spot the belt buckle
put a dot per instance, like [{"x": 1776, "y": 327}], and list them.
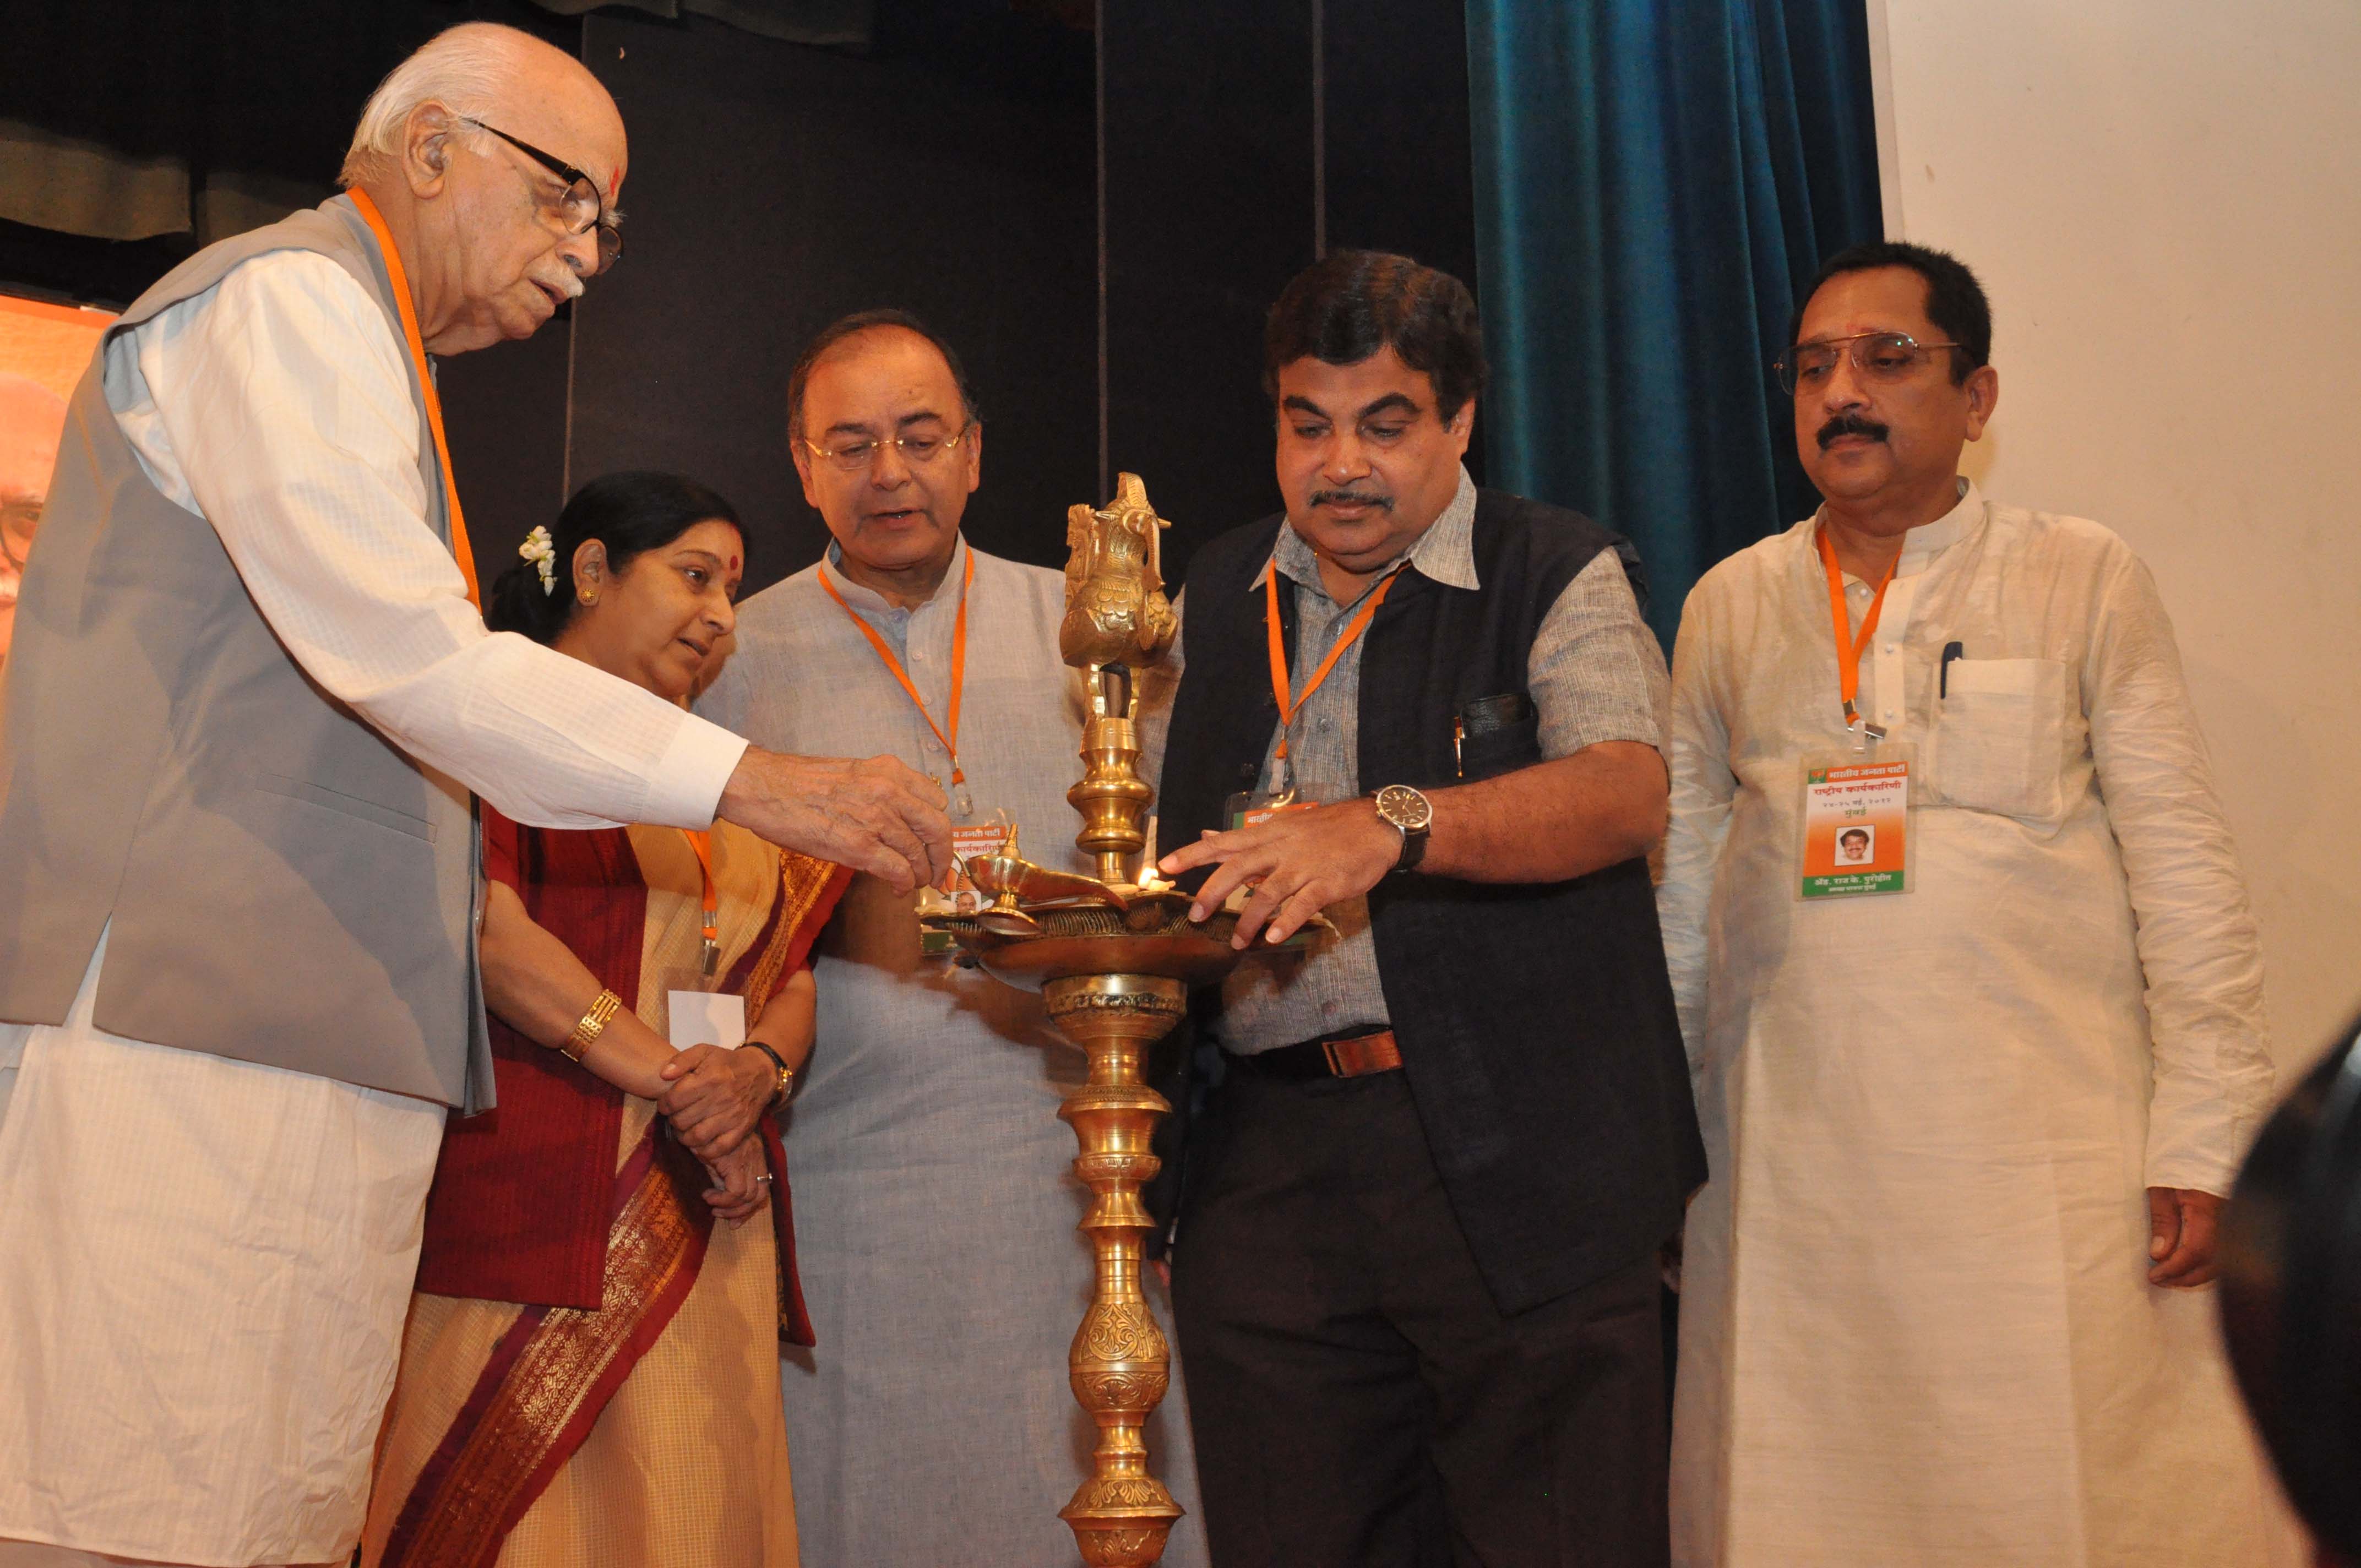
[{"x": 1335, "y": 1064}]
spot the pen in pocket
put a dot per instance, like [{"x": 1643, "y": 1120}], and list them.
[{"x": 1943, "y": 675}]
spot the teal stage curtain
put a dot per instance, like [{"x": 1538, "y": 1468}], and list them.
[{"x": 1655, "y": 180}]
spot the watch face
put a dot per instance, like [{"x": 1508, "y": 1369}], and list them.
[{"x": 1405, "y": 809}]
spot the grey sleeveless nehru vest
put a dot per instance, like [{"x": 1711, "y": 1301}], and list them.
[{"x": 285, "y": 885}]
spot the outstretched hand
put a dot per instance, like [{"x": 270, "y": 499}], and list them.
[
  {"x": 875, "y": 815},
  {"x": 1299, "y": 861}
]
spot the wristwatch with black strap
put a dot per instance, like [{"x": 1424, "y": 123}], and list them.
[
  {"x": 1410, "y": 814},
  {"x": 789, "y": 1080}
]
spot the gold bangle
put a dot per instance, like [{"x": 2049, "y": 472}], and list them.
[{"x": 594, "y": 1024}]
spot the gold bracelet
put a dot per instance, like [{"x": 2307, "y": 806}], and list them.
[{"x": 594, "y": 1024}]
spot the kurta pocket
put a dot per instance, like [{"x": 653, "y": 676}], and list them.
[{"x": 1999, "y": 732}]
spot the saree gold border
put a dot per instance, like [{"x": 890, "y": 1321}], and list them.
[
  {"x": 796, "y": 897},
  {"x": 647, "y": 1247}
]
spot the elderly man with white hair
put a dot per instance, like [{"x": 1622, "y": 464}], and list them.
[{"x": 250, "y": 696}]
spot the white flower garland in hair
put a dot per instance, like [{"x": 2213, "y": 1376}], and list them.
[{"x": 542, "y": 550}]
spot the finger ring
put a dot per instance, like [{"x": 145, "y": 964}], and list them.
[{"x": 765, "y": 1177}]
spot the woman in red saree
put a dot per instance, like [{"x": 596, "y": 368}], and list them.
[{"x": 590, "y": 1371}]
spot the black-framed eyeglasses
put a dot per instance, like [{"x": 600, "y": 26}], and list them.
[
  {"x": 581, "y": 209},
  {"x": 1876, "y": 356},
  {"x": 17, "y": 520},
  {"x": 855, "y": 456}
]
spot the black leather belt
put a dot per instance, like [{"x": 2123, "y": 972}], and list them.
[{"x": 1348, "y": 1056}]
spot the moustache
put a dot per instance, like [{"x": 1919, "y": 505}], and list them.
[
  {"x": 1351, "y": 498},
  {"x": 1850, "y": 425}
]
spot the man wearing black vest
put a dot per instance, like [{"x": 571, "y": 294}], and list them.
[{"x": 1414, "y": 1273}]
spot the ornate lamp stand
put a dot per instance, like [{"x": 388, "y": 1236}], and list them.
[{"x": 1114, "y": 960}]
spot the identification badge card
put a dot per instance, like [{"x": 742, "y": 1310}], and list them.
[
  {"x": 1248, "y": 807},
  {"x": 705, "y": 1019},
  {"x": 970, "y": 841},
  {"x": 1246, "y": 810},
  {"x": 1856, "y": 827}
]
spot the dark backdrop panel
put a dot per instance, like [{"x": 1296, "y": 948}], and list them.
[
  {"x": 1396, "y": 131},
  {"x": 1396, "y": 135},
  {"x": 504, "y": 412},
  {"x": 950, "y": 171},
  {"x": 774, "y": 187},
  {"x": 1209, "y": 212},
  {"x": 268, "y": 87}
]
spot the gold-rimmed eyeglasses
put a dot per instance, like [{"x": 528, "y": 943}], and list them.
[
  {"x": 853, "y": 454},
  {"x": 1875, "y": 356},
  {"x": 581, "y": 209}
]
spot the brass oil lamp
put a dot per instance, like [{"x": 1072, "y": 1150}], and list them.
[{"x": 1114, "y": 958}]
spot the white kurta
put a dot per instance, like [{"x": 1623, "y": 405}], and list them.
[
  {"x": 1916, "y": 1326},
  {"x": 204, "y": 1264}
]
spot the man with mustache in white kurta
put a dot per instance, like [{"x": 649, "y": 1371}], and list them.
[{"x": 1970, "y": 1108}]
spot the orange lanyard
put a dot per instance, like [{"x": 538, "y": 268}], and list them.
[
  {"x": 1847, "y": 646},
  {"x": 702, "y": 842},
  {"x": 401, "y": 283},
  {"x": 1289, "y": 705},
  {"x": 958, "y": 663}
]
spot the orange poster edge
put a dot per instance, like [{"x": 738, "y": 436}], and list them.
[{"x": 79, "y": 315}]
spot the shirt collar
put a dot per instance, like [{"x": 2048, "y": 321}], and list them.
[
  {"x": 1933, "y": 538},
  {"x": 874, "y": 604},
  {"x": 1446, "y": 552},
  {"x": 1928, "y": 539}
]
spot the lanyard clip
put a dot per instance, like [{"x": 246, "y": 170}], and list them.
[{"x": 712, "y": 956}]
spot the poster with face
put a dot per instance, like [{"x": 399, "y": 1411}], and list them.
[{"x": 44, "y": 348}]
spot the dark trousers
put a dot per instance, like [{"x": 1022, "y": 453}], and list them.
[{"x": 1358, "y": 1401}]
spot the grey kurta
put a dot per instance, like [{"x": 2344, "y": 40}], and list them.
[{"x": 936, "y": 1208}]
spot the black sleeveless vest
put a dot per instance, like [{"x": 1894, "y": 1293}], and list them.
[{"x": 1535, "y": 1020}]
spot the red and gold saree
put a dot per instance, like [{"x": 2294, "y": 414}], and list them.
[{"x": 590, "y": 1371}]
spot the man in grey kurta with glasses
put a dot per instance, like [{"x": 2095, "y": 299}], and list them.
[{"x": 935, "y": 1202}]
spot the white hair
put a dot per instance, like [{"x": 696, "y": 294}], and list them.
[{"x": 462, "y": 67}]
